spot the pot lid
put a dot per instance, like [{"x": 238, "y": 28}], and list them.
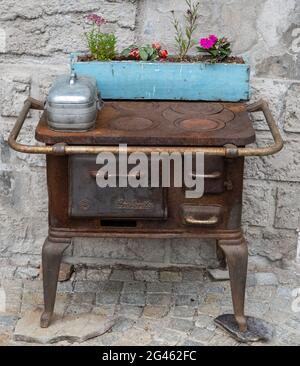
[{"x": 73, "y": 89}]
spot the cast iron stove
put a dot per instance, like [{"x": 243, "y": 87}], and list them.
[{"x": 78, "y": 207}]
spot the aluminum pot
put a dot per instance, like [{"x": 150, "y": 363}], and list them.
[{"x": 72, "y": 103}]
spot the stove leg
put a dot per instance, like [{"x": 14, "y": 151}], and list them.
[
  {"x": 237, "y": 260},
  {"x": 51, "y": 258}
]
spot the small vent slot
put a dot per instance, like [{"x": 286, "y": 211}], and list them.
[{"x": 118, "y": 223}]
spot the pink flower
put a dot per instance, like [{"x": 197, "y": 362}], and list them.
[
  {"x": 206, "y": 43},
  {"x": 209, "y": 42},
  {"x": 213, "y": 38},
  {"x": 96, "y": 19}
]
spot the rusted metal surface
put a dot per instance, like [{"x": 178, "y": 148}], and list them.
[
  {"x": 78, "y": 207},
  {"x": 258, "y": 329},
  {"x": 87, "y": 199},
  {"x": 240, "y": 135}
]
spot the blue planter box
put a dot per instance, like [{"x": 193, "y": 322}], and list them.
[{"x": 168, "y": 81}]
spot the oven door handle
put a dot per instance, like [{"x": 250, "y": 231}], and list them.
[
  {"x": 93, "y": 173},
  {"x": 192, "y": 221},
  {"x": 214, "y": 175}
]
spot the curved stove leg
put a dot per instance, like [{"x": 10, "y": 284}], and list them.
[
  {"x": 236, "y": 253},
  {"x": 51, "y": 258}
]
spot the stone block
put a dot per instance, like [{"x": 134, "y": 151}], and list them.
[
  {"x": 288, "y": 207},
  {"x": 98, "y": 274},
  {"x": 146, "y": 275},
  {"x": 170, "y": 276},
  {"x": 292, "y": 115},
  {"x": 274, "y": 92},
  {"x": 14, "y": 89},
  {"x": 182, "y": 325},
  {"x": 258, "y": 203},
  {"x": 152, "y": 311},
  {"x": 148, "y": 250},
  {"x": 195, "y": 252},
  {"x": 283, "y": 166},
  {"x": 121, "y": 275},
  {"x": 272, "y": 244}
]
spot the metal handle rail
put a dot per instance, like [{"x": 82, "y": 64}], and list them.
[{"x": 227, "y": 150}]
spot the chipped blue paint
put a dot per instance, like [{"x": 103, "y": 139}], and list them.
[{"x": 168, "y": 81}]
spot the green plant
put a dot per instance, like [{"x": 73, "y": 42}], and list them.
[
  {"x": 101, "y": 45},
  {"x": 184, "y": 38},
  {"x": 218, "y": 48},
  {"x": 145, "y": 53}
]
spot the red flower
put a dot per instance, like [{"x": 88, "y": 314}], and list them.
[
  {"x": 156, "y": 46},
  {"x": 135, "y": 53},
  {"x": 163, "y": 54}
]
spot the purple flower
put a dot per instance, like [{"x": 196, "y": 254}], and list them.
[{"x": 96, "y": 19}]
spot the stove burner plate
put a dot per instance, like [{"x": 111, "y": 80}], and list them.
[
  {"x": 132, "y": 124},
  {"x": 203, "y": 108},
  {"x": 225, "y": 116},
  {"x": 199, "y": 124}
]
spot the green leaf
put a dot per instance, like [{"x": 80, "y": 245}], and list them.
[
  {"x": 143, "y": 54},
  {"x": 126, "y": 52}
]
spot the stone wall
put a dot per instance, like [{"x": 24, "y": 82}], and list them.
[{"x": 35, "y": 39}]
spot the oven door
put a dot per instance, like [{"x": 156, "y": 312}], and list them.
[{"x": 87, "y": 199}]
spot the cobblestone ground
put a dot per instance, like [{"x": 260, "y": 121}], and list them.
[{"x": 159, "y": 307}]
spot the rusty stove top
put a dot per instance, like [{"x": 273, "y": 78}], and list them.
[{"x": 161, "y": 123}]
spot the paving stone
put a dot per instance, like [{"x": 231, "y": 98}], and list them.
[
  {"x": 107, "y": 297},
  {"x": 186, "y": 288},
  {"x": 193, "y": 275},
  {"x": 182, "y": 325},
  {"x": 265, "y": 279},
  {"x": 86, "y": 286},
  {"x": 158, "y": 299},
  {"x": 134, "y": 287},
  {"x": 192, "y": 343},
  {"x": 105, "y": 310},
  {"x": 65, "y": 272},
  {"x": 169, "y": 337},
  {"x": 111, "y": 286},
  {"x": 218, "y": 274},
  {"x": 133, "y": 299},
  {"x": 12, "y": 295},
  {"x": 152, "y": 311},
  {"x": 169, "y": 276},
  {"x": 7, "y": 322},
  {"x": 159, "y": 287},
  {"x": 70, "y": 328},
  {"x": 183, "y": 311},
  {"x": 186, "y": 300},
  {"x": 129, "y": 311},
  {"x": 122, "y": 324},
  {"x": 121, "y": 275},
  {"x": 134, "y": 337},
  {"x": 203, "y": 321},
  {"x": 66, "y": 286},
  {"x": 146, "y": 275},
  {"x": 202, "y": 335},
  {"x": 98, "y": 274}
]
